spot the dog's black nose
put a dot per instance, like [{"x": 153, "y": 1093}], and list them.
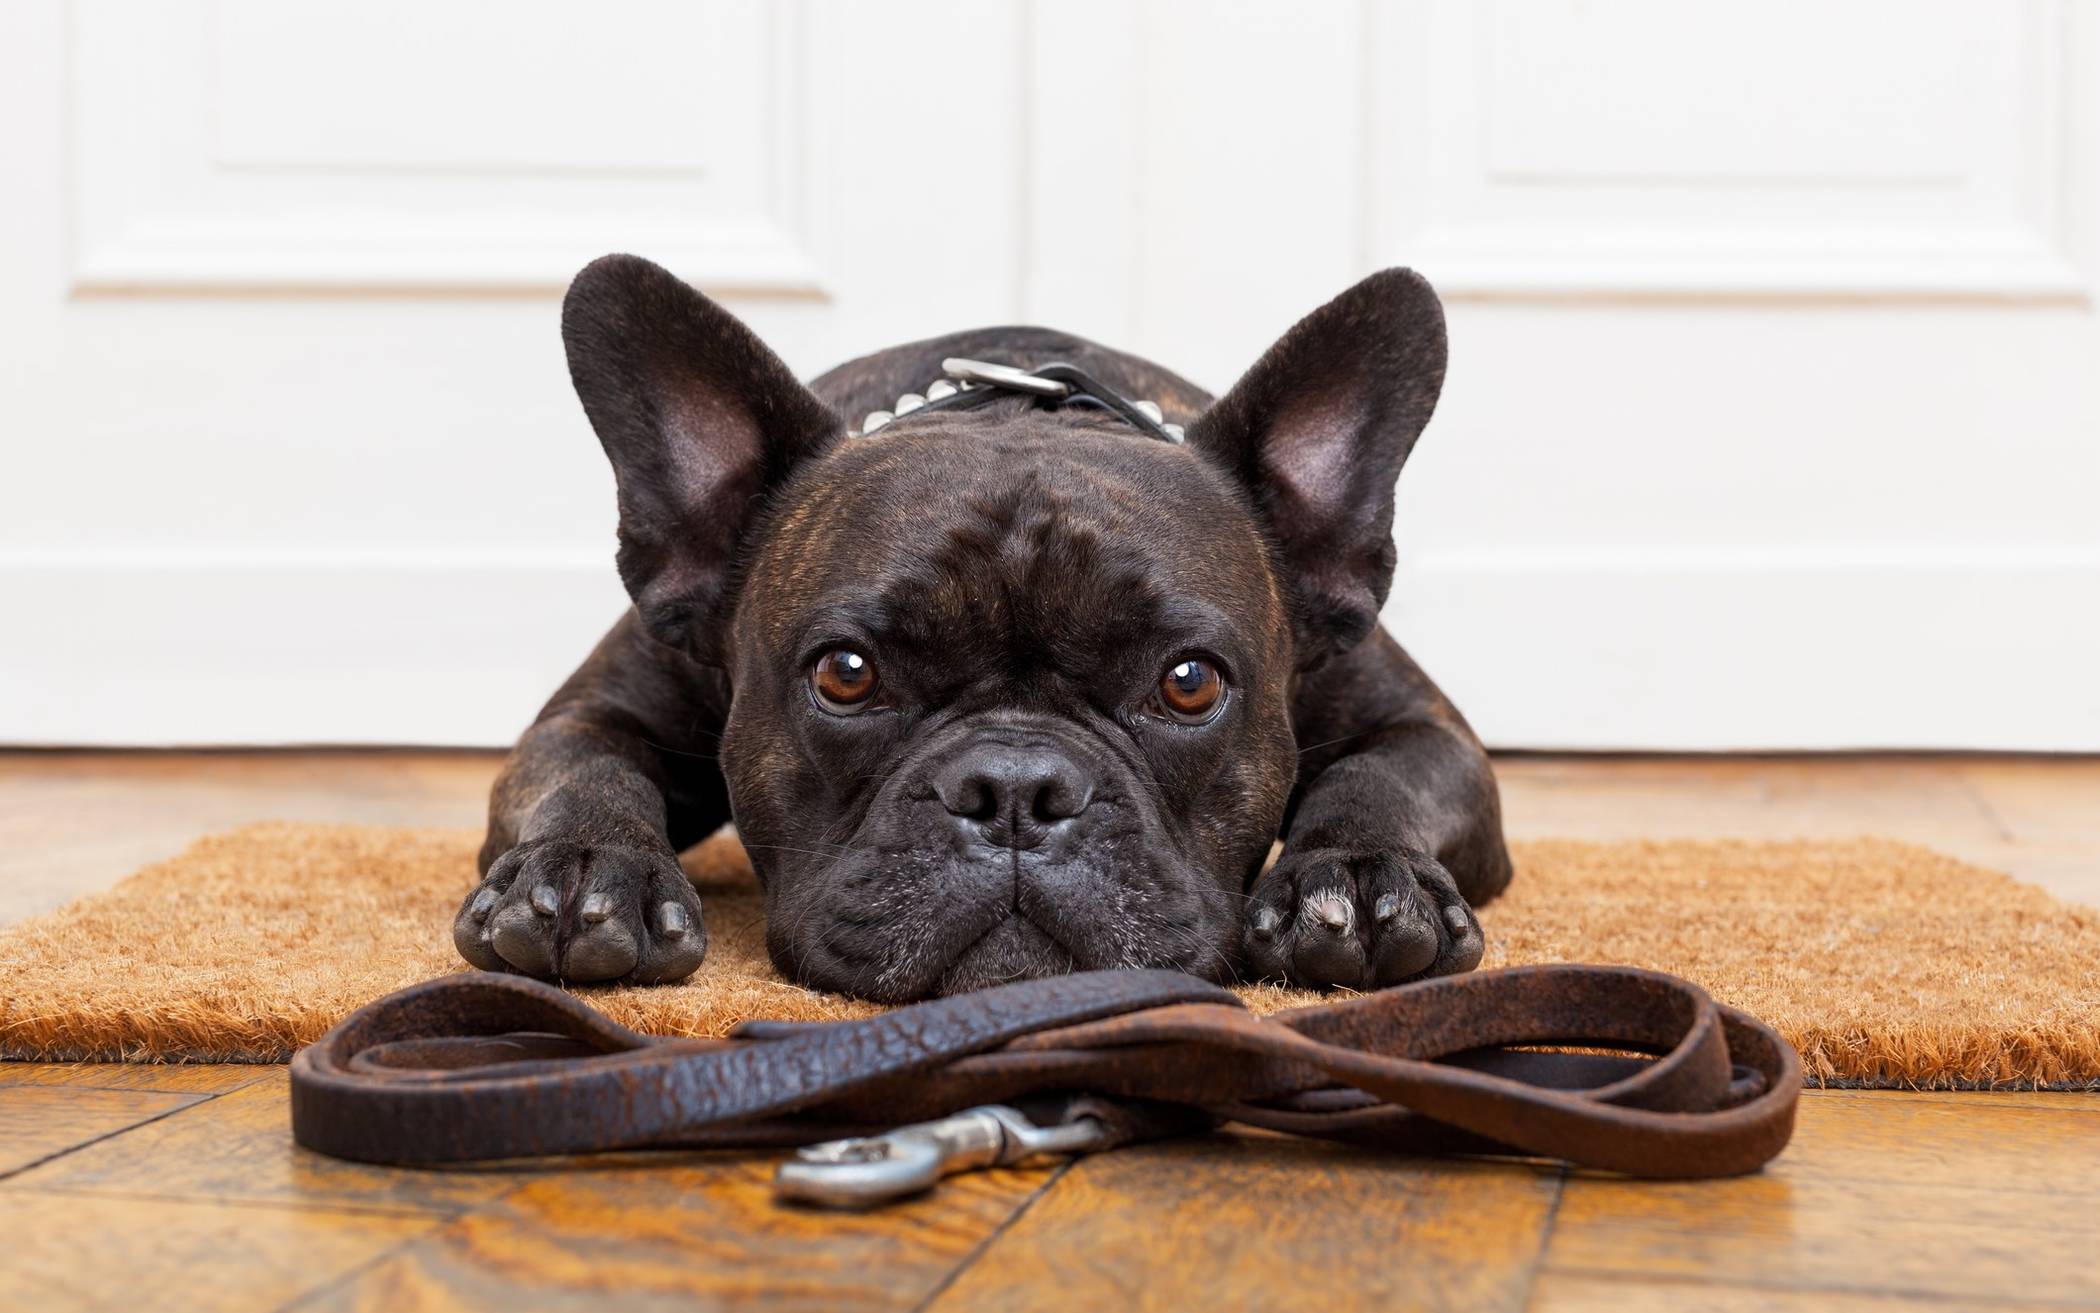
[{"x": 1013, "y": 796}]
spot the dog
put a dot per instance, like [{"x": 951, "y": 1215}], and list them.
[{"x": 998, "y": 692}]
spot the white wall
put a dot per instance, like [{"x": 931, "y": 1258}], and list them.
[{"x": 1773, "y": 417}]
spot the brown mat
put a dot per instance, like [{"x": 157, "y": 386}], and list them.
[{"x": 1885, "y": 964}]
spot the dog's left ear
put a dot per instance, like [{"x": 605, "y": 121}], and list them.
[{"x": 1318, "y": 431}]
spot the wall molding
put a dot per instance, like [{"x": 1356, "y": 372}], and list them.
[
  {"x": 155, "y": 209},
  {"x": 1440, "y": 201},
  {"x": 185, "y": 253},
  {"x": 1550, "y": 261}
]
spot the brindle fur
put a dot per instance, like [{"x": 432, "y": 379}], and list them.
[{"x": 1020, "y": 576}]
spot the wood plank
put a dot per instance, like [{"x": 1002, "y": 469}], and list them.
[
  {"x": 2038, "y": 799},
  {"x": 238, "y": 1148},
  {"x": 2019, "y": 1141},
  {"x": 1560, "y": 1293},
  {"x": 2061, "y": 1100},
  {"x": 184, "y": 1077},
  {"x": 70, "y": 1252},
  {"x": 75, "y": 822},
  {"x": 38, "y": 1123},
  {"x": 2049, "y": 811},
  {"x": 1921, "y": 799},
  {"x": 690, "y": 1235},
  {"x": 1248, "y": 1221},
  {"x": 1867, "y": 1238},
  {"x": 2035, "y": 817},
  {"x": 1878, "y": 1194}
]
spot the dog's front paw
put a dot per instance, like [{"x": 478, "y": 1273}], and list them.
[
  {"x": 563, "y": 910},
  {"x": 1330, "y": 917}
]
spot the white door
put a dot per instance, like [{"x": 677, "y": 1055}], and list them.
[{"x": 1773, "y": 417}]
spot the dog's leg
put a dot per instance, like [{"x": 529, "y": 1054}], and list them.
[
  {"x": 580, "y": 874},
  {"x": 1394, "y": 834}
]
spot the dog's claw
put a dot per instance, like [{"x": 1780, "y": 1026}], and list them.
[
  {"x": 1335, "y": 917},
  {"x": 582, "y": 913},
  {"x": 674, "y": 921},
  {"x": 1333, "y": 911}
]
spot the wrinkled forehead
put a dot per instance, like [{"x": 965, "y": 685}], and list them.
[{"x": 1068, "y": 541}]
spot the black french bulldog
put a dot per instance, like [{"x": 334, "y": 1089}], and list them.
[{"x": 1003, "y": 692}]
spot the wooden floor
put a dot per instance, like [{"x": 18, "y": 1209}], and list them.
[{"x": 129, "y": 1187}]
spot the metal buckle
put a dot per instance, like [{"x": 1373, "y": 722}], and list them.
[
  {"x": 874, "y": 1169},
  {"x": 987, "y": 374}
]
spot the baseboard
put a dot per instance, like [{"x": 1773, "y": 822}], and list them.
[
  {"x": 205, "y": 648},
  {"x": 1763, "y": 649},
  {"x": 1635, "y": 649}
]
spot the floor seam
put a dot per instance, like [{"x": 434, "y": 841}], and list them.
[
  {"x": 435, "y": 1213},
  {"x": 196, "y": 1101},
  {"x": 1983, "y": 804},
  {"x": 264, "y": 1070},
  {"x": 1538, "y": 1260},
  {"x": 357, "y": 1271},
  {"x": 978, "y": 1250}
]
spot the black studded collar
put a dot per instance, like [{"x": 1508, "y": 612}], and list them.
[{"x": 967, "y": 384}]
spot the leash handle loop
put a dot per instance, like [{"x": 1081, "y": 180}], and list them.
[{"x": 477, "y": 1066}]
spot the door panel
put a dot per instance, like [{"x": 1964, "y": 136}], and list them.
[{"x": 1771, "y": 419}]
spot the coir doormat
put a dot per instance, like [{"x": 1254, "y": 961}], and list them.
[{"x": 1885, "y": 964}]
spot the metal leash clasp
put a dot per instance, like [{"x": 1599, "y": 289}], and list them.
[{"x": 874, "y": 1169}]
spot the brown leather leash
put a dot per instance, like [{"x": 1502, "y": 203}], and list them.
[{"x": 481, "y": 1066}]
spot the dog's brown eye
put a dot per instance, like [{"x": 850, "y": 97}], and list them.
[
  {"x": 844, "y": 681},
  {"x": 1190, "y": 690}
]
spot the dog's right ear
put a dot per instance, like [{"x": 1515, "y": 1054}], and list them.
[
  {"x": 701, "y": 422},
  {"x": 1318, "y": 430}
]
